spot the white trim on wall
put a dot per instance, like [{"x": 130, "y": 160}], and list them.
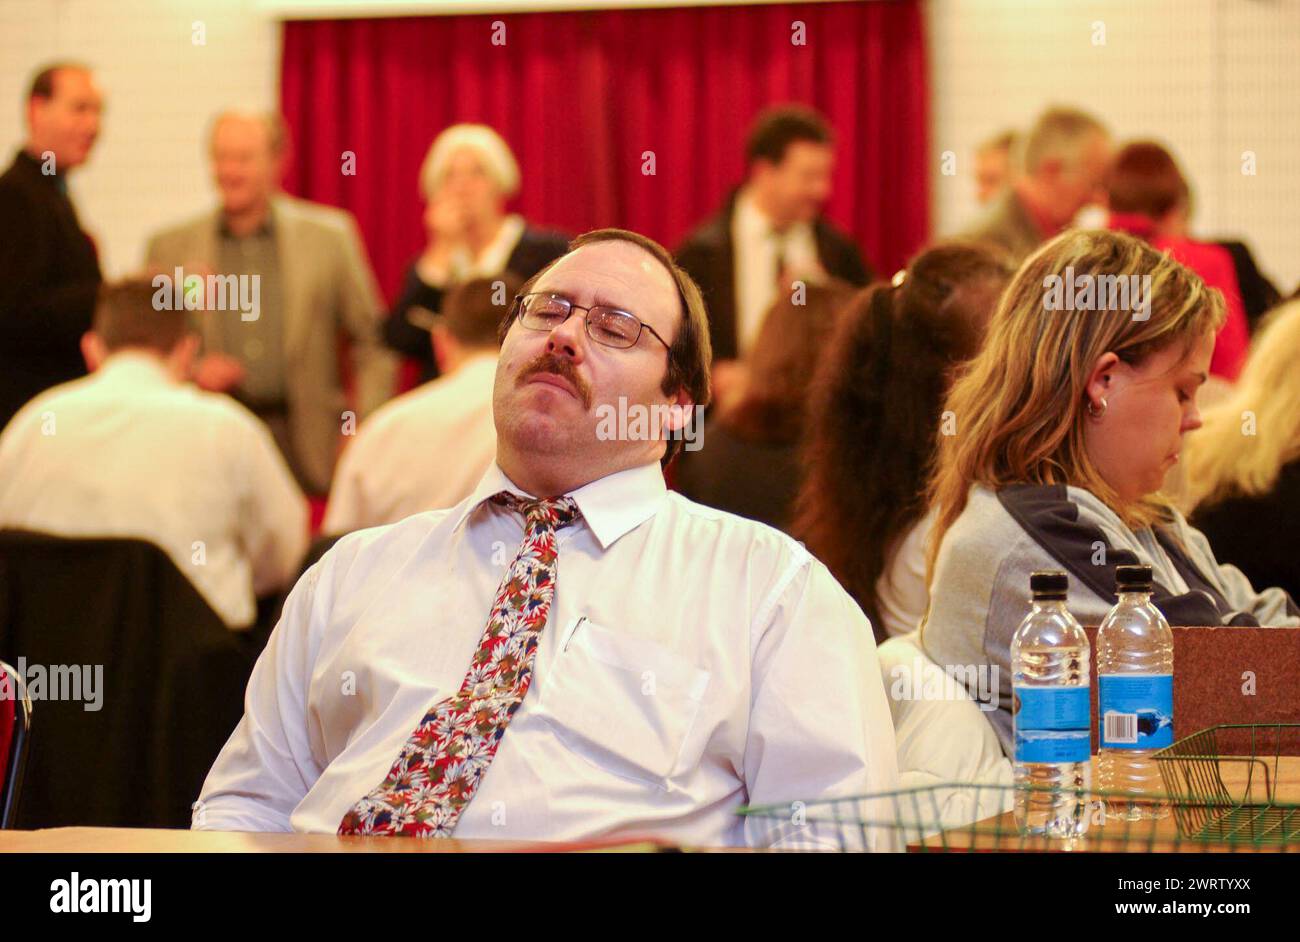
[{"x": 354, "y": 9}]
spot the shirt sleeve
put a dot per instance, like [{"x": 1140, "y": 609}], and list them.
[
  {"x": 820, "y": 725},
  {"x": 275, "y": 519},
  {"x": 361, "y": 309},
  {"x": 347, "y": 510},
  {"x": 1272, "y": 607},
  {"x": 266, "y": 767}
]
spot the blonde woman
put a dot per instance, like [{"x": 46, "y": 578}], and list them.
[
  {"x": 1243, "y": 465},
  {"x": 1062, "y": 430}
]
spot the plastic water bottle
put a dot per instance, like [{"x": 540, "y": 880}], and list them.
[
  {"x": 1051, "y": 714},
  {"x": 1135, "y": 697}
]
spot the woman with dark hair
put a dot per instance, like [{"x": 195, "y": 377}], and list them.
[
  {"x": 1148, "y": 197},
  {"x": 749, "y": 464},
  {"x": 874, "y": 417}
]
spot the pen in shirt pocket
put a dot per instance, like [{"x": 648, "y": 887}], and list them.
[{"x": 569, "y": 633}]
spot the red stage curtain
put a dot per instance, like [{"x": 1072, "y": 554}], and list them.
[{"x": 581, "y": 96}]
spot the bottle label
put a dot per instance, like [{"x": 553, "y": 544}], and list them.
[
  {"x": 1137, "y": 710},
  {"x": 1052, "y": 724}
]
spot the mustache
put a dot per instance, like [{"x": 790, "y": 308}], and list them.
[{"x": 560, "y": 366}]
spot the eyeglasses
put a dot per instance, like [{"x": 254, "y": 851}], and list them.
[{"x": 605, "y": 325}]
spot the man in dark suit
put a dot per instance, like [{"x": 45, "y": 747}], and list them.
[
  {"x": 49, "y": 271},
  {"x": 770, "y": 232}
]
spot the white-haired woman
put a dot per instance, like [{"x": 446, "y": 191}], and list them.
[{"x": 468, "y": 176}]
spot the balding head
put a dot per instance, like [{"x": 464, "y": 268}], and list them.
[
  {"x": 1066, "y": 155},
  {"x": 248, "y": 152},
  {"x": 63, "y": 111},
  {"x": 274, "y": 134}
]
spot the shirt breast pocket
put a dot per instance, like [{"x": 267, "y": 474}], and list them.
[{"x": 623, "y": 703}]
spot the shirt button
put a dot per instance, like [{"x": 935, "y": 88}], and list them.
[{"x": 253, "y": 349}]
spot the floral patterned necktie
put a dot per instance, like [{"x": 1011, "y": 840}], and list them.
[{"x": 443, "y": 763}]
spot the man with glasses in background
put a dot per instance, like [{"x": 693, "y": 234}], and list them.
[{"x": 648, "y": 664}]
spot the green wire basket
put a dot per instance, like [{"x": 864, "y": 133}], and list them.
[
  {"x": 1221, "y": 794},
  {"x": 1224, "y": 782}
]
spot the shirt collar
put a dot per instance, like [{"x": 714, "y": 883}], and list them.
[
  {"x": 34, "y": 165},
  {"x": 474, "y": 372},
  {"x": 611, "y": 506},
  {"x": 265, "y": 228},
  {"x": 137, "y": 367},
  {"x": 495, "y": 256},
  {"x": 480, "y": 362},
  {"x": 752, "y": 222}
]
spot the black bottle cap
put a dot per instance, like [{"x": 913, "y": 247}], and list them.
[
  {"x": 1048, "y": 584},
  {"x": 1133, "y": 578}
]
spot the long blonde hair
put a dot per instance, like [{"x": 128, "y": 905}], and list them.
[
  {"x": 1019, "y": 406},
  {"x": 1246, "y": 439}
]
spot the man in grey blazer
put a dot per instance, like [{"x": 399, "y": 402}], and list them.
[
  {"x": 272, "y": 281},
  {"x": 1064, "y": 161}
]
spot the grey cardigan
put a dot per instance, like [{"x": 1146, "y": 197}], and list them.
[{"x": 980, "y": 590}]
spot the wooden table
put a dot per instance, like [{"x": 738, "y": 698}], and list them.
[
  {"x": 84, "y": 840},
  {"x": 999, "y": 833}
]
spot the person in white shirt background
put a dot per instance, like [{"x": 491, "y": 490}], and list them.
[
  {"x": 428, "y": 448},
  {"x": 691, "y": 661},
  {"x": 134, "y": 450}
]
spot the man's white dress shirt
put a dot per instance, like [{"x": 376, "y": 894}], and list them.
[
  {"x": 424, "y": 450},
  {"x": 692, "y": 661},
  {"x": 128, "y": 452},
  {"x": 758, "y": 249}
]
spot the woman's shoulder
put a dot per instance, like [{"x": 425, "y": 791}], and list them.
[
  {"x": 1016, "y": 503},
  {"x": 1061, "y": 521},
  {"x": 984, "y": 529}
]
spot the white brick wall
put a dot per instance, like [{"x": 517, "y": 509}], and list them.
[
  {"x": 1209, "y": 78},
  {"x": 148, "y": 168},
  {"x": 1212, "y": 78}
]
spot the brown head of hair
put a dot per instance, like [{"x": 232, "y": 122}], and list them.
[
  {"x": 690, "y": 353},
  {"x": 126, "y": 315},
  {"x": 794, "y": 335},
  {"x": 777, "y": 128},
  {"x": 876, "y": 404},
  {"x": 472, "y": 310},
  {"x": 1144, "y": 179},
  {"x": 42, "y": 84}
]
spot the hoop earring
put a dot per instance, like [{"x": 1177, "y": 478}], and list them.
[{"x": 1097, "y": 413}]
